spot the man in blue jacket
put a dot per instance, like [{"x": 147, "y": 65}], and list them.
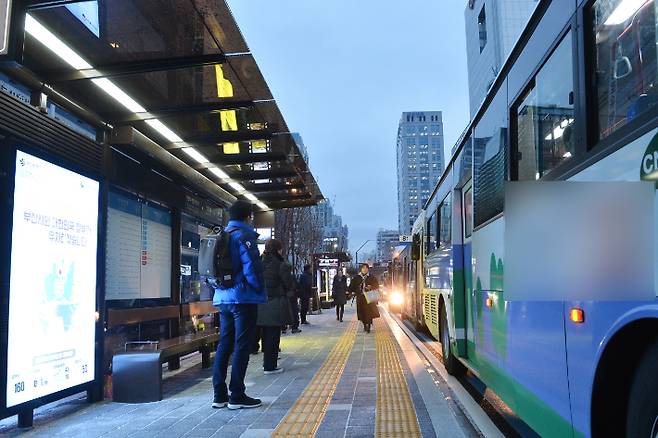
[{"x": 238, "y": 310}]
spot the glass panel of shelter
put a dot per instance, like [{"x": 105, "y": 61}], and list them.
[
  {"x": 130, "y": 30},
  {"x": 192, "y": 285}
]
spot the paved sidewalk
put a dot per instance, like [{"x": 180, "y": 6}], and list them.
[{"x": 186, "y": 411}]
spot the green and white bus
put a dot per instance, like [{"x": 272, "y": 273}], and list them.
[{"x": 576, "y": 100}]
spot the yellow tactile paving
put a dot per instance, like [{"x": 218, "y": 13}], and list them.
[
  {"x": 307, "y": 413},
  {"x": 395, "y": 415}
]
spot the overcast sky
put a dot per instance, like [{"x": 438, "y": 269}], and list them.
[{"x": 343, "y": 71}]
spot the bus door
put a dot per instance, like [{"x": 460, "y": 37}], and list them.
[
  {"x": 463, "y": 293},
  {"x": 414, "y": 284}
]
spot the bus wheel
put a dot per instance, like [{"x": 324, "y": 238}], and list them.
[
  {"x": 453, "y": 366},
  {"x": 642, "y": 414}
]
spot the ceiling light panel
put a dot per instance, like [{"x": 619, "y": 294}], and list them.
[{"x": 195, "y": 155}]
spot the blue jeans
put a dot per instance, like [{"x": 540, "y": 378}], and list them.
[{"x": 237, "y": 325}]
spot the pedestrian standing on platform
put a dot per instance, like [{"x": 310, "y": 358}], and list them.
[
  {"x": 238, "y": 310},
  {"x": 361, "y": 283},
  {"x": 294, "y": 307},
  {"x": 276, "y": 312},
  {"x": 339, "y": 294},
  {"x": 305, "y": 292},
  {"x": 258, "y": 335}
]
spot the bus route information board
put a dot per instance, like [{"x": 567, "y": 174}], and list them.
[{"x": 139, "y": 245}]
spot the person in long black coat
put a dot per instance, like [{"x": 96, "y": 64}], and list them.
[
  {"x": 339, "y": 294},
  {"x": 276, "y": 312},
  {"x": 364, "y": 282},
  {"x": 305, "y": 292}
]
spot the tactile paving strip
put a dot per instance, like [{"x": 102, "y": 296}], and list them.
[
  {"x": 395, "y": 415},
  {"x": 305, "y": 416}
]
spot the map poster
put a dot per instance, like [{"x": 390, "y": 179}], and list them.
[{"x": 52, "y": 295}]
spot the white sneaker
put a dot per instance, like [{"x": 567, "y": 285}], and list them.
[{"x": 274, "y": 371}]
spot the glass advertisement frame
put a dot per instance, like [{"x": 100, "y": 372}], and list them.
[{"x": 8, "y": 156}]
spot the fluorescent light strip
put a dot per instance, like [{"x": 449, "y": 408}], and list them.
[
  {"x": 118, "y": 94},
  {"x": 250, "y": 197},
  {"x": 237, "y": 186},
  {"x": 195, "y": 155},
  {"x": 219, "y": 173},
  {"x": 68, "y": 55},
  {"x": 162, "y": 129},
  {"x": 48, "y": 39},
  {"x": 59, "y": 48},
  {"x": 262, "y": 206}
]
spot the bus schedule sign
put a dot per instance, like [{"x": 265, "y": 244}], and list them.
[{"x": 5, "y": 19}]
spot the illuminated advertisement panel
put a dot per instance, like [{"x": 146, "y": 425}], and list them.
[{"x": 52, "y": 295}]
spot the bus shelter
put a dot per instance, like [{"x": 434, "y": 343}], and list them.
[
  {"x": 136, "y": 122},
  {"x": 326, "y": 265}
]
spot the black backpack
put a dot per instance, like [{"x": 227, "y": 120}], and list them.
[{"x": 215, "y": 258}]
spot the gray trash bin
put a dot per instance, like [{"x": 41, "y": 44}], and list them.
[{"x": 137, "y": 377}]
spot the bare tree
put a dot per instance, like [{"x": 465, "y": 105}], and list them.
[{"x": 300, "y": 231}]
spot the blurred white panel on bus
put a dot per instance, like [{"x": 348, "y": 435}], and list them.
[{"x": 579, "y": 240}]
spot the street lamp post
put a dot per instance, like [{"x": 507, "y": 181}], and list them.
[{"x": 357, "y": 252}]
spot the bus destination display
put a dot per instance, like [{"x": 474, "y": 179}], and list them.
[{"x": 52, "y": 297}]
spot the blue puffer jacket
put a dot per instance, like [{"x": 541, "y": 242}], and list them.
[{"x": 249, "y": 285}]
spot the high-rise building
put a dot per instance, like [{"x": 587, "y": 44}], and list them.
[
  {"x": 334, "y": 234},
  {"x": 420, "y": 163},
  {"x": 387, "y": 240},
  {"x": 492, "y": 29}
]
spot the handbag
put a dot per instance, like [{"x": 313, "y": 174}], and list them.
[{"x": 372, "y": 296}]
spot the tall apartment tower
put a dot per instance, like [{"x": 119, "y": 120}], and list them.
[
  {"x": 335, "y": 235},
  {"x": 387, "y": 240},
  {"x": 420, "y": 163},
  {"x": 492, "y": 29}
]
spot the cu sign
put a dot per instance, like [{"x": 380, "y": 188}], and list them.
[
  {"x": 649, "y": 165},
  {"x": 5, "y": 18}
]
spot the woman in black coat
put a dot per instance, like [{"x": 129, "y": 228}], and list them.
[
  {"x": 364, "y": 282},
  {"x": 276, "y": 312},
  {"x": 339, "y": 294}
]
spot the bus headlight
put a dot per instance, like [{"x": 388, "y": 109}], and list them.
[{"x": 396, "y": 298}]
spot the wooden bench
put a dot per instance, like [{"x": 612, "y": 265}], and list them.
[{"x": 137, "y": 373}]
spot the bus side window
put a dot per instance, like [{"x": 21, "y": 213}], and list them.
[
  {"x": 445, "y": 222},
  {"x": 415, "y": 247},
  {"x": 490, "y": 154},
  {"x": 468, "y": 212},
  {"x": 431, "y": 233},
  {"x": 545, "y": 117}
]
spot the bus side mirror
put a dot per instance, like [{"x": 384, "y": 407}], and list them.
[{"x": 415, "y": 247}]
